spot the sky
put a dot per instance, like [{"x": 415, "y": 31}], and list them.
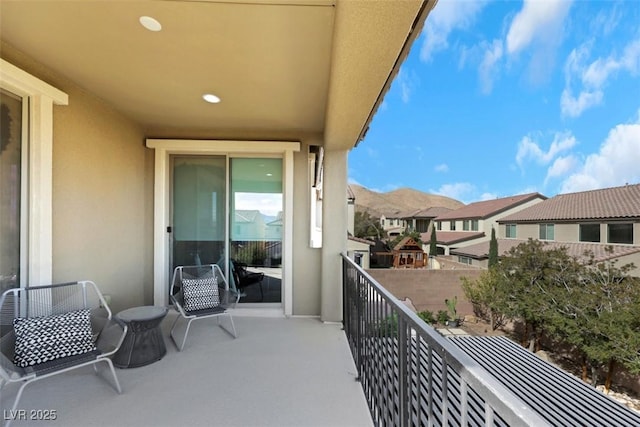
[{"x": 499, "y": 98}]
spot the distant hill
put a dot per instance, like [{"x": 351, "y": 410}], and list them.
[{"x": 400, "y": 200}]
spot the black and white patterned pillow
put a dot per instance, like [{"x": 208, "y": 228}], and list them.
[
  {"x": 200, "y": 294},
  {"x": 43, "y": 339}
]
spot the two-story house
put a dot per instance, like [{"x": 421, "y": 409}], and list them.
[
  {"x": 584, "y": 221},
  {"x": 472, "y": 223}
]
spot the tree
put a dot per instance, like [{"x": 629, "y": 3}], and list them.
[
  {"x": 489, "y": 295},
  {"x": 366, "y": 226},
  {"x": 493, "y": 249},
  {"x": 433, "y": 244},
  {"x": 598, "y": 315}
]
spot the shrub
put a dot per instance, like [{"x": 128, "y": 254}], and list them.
[
  {"x": 427, "y": 317},
  {"x": 442, "y": 316}
]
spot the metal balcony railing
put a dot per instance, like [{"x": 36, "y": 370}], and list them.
[{"x": 410, "y": 374}]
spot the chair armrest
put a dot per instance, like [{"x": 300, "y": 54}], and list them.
[{"x": 112, "y": 336}]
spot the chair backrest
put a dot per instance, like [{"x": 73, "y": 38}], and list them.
[
  {"x": 183, "y": 272},
  {"x": 42, "y": 301}
]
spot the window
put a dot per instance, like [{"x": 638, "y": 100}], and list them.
[
  {"x": 546, "y": 232},
  {"x": 382, "y": 222},
  {"x": 510, "y": 231},
  {"x": 452, "y": 225},
  {"x": 590, "y": 232},
  {"x": 465, "y": 225},
  {"x": 474, "y": 225},
  {"x": 464, "y": 260},
  {"x": 25, "y": 184},
  {"x": 620, "y": 233},
  {"x": 439, "y": 225}
]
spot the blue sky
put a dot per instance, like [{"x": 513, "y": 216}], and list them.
[{"x": 498, "y": 98}]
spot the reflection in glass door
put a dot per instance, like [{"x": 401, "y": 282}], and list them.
[
  {"x": 199, "y": 210},
  {"x": 256, "y": 228},
  {"x": 11, "y": 176}
]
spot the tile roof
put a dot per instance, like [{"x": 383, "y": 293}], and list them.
[
  {"x": 450, "y": 237},
  {"x": 574, "y": 249},
  {"x": 489, "y": 208},
  {"x": 431, "y": 212},
  {"x": 607, "y": 203}
]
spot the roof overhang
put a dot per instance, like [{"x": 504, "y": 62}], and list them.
[{"x": 284, "y": 69}]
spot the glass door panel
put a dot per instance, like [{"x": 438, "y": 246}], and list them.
[
  {"x": 199, "y": 210},
  {"x": 256, "y": 228},
  {"x": 10, "y": 189}
]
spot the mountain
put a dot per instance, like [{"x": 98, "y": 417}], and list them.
[{"x": 400, "y": 200}]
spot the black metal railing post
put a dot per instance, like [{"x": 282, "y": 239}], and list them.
[
  {"x": 424, "y": 382},
  {"x": 403, "y": 380}
]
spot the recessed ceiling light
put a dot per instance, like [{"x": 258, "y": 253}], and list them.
[
  {"x": 209, "y": 97},
  {"x": 150, "y": 23}
]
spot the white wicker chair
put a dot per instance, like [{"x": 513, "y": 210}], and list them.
[
  {"x": 200, "y": 292},
  {"x": 74, "y": 328}
]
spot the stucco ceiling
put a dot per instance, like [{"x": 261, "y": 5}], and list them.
[{"x": 282, "y": 68}]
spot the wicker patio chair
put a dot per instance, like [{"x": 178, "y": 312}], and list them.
[
  {"x": 200, "y": 292},
  {"x": 49, "y": 330}
]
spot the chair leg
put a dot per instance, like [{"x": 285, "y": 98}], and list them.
[
  {"x": 231, "y": 331},
  {"x": 186, "y": 332},
  {"x": 115, "y": 377},
  {"x": 173, "y": 338}
]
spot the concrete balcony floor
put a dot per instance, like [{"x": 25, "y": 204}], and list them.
[{"x": 278, "y": 372}]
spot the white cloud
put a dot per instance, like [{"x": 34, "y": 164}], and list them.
[
  {"x": 615, "y": 164},
  {"x": 488, "y": 196},
  {"x": 443, "y": 167},
  {"x": 407, "y": 80},
  {"x": 530, "y": 149},
  {"x": 574, "y": 106},
  {"x": 488, "y": 69},
  {"x": 447, "y": 16},
  {"x": 592, "y": 77},
  {"x": 459, "y": 191},
  {"x": 539, "y": 28},
  {"x": 606, "y": 20},
  {"x": 561, "y": 167},
  {"x": 537, "y": 21}
]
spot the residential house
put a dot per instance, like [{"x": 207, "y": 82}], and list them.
[
  {"x": 393, "y": 222},
  {"x": 590, "y": 221},
  {"x": 421, "y": 220},
  {"x": 472, "y": 223},
  {"x": 109, "y": 147}
]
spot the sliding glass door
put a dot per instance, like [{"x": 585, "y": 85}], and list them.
[
  {"x": 242, "y": 233},
  {"x": 256, "y": 228},
  {"x": 199, "y": 210},
  {"x": 11, "y": 190}
]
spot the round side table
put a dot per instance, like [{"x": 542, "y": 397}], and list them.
[{"x": 144, "y": 343}]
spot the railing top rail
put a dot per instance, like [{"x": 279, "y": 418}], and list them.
[{"x": 509, "y": 406}]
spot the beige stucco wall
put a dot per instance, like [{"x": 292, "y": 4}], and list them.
[
  {"x": 306, "y": 260},
  {"x": 102, "y": 193},
  {"x": 103, "y": 200}
]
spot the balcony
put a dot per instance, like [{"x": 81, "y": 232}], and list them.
[
  {"x": 278, "y": 372},
  {"x": 301, "y": 372}
]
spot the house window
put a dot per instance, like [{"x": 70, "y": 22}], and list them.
[
  {"x": 439, "y": 225},
  {"x": 25, "y": 180},
  {"x": 546, "y": 232},
  {"x": 590, "y": 232},
  {"x": 464, "y": 260},
  {"x": 510, "y": 231},
  {"x": 382, "y": 222},
  {"x": 474, "y": 225},
  {"x": 620, "y": 233},
  {"x": 452, "y": 225},
  {"x": 465, "y": 225}
]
